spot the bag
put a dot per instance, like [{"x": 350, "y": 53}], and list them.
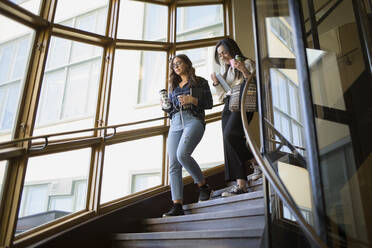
[{"x": 250, "y": 98}]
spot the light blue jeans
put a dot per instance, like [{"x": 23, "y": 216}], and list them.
[{"x": 182, "y": 140}]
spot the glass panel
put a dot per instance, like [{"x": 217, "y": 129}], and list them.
[
  {"x": 3, "y": 169},
  {"x": 15, "y": 43},
  {"x": 126, "y": 171},
  {"x": 341, "y": 86},
  {"x": 30, "y": 5},
  {"x": 199, "y": 22},
  {"x": 78, "y": 14},
  {"x": 142, "y": 21},
  {"x": 280, "y": 90},
  {"x": 70, "y": 87},
  {"x": 50, "y": 188},
  {"x": 203, "y": 61},
  {"x": 135, "y": 87}
]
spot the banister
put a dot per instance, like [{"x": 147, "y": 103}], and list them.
[{"x": 274, "y": 179}]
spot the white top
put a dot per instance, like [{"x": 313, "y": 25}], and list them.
[{"x": 230, "y": 77}]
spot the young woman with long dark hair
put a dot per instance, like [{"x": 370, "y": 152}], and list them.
[
  {"x": 237, "y": 156},
  {"x": 189, "y": 95}
]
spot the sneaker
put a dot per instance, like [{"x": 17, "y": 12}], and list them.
[
  {"x": 257, "y": 173},
  {"x": 205, "y": 192},
  {"x": 234, "y": 191},
  {"x": 176, "y": 210}
]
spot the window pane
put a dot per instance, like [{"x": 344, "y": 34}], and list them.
[
  {"x": 199, "y": 22},
  {"x": 142, "y": 21},
  {"x": 283, "y": 99},
  {"x": 294, "y": 101},
  {"x": 52, "y": 92},
  {"x": 58, "y": 55},
  {"x": 10, "y": 100},
  {"x": 135, "y": 87},
  {"x": 49, "y": 185},
  {"x": 70, "y": 87},
  {"x": 203, "y": 61},
  {"x": 123, "y": 162},
  {"x": 15, "y": 43},
  {"x": 3, "y": 169},
  {"x": 30, "y": 5},
  {"x": 297, "y": 135},
  {"x": 78, "y": 14}
]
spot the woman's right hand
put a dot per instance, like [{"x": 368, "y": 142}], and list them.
[{"x": 214, "y": 79}]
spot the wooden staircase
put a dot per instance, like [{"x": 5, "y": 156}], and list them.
[{"x": 236, "y": 221}]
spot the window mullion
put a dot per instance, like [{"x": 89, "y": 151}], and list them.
[{"x": 102, "y": 110}]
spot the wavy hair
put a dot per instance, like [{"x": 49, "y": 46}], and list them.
[{"x": 175, "y": 79}]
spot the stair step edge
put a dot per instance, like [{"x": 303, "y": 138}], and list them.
[
  {"x": 226, "y": 233},
  {"x": 253, "y": 211},
  {"x": 224, "y": 200}
]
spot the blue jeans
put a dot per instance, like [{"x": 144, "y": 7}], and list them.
[{"x": 182, "y": 140}]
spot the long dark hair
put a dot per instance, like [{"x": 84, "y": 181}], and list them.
[
  {"x": 175, "y": 79},
  {"x": 233, "y": 48}
]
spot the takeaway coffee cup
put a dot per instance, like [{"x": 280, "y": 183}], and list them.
[{"x": 165, "y": 102}]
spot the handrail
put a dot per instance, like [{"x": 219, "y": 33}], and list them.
[
  {"x": 47, "y": 136},
  {"x": 274, "y": 179}
]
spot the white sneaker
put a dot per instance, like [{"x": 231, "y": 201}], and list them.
[
  {"x": 257, "y": 173},
  {"x": 234, "y": 191}
]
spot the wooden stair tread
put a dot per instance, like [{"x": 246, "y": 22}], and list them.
[
  {"x": 250, "y": 185},
  {"x": 224, "y": 200},
  {"x": 205, "y": 234},
  {"x": 254, "y": 211}
]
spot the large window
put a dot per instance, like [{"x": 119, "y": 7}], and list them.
[
  {"x": 63, "y": 95},
  {"x": 15, "y": 41}
]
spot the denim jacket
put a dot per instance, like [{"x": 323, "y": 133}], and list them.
[{"x": 203, "y": 93}]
